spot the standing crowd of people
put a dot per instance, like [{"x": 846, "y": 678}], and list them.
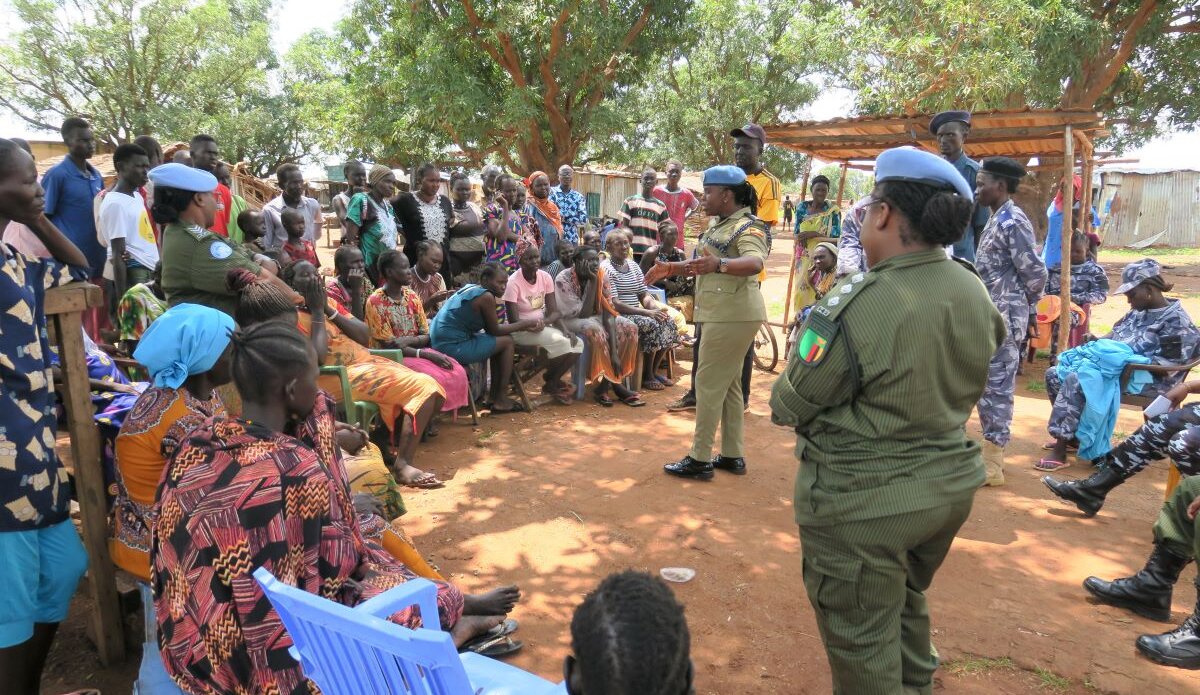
[{"x": 282, "y": 408}]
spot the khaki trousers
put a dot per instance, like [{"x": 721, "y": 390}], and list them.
[{"x": 718, "y": 384}]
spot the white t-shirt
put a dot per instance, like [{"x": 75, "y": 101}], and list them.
[{"x": 124, "y": 217}]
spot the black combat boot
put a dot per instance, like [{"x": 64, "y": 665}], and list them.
[
  {"x": 1147, "y": 593},
  {"x": 1088, "y": 494},
  {"x": 1180, "y": 647}
]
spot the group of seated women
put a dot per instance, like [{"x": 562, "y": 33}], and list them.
[{"x": 205, "y": 498}]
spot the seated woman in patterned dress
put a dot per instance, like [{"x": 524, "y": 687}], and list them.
[
  {"x": 583, "y": 299},
  {"x": 657, "y": 333},
  {"x": 269, "y": 490},
  {"x": 407, "y": 399},
  {"x": 396, "y": 320}
]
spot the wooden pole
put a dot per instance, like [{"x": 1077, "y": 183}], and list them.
[
  {"x": 842, "y": 185},
  {"x": 63, "y": 306},
  {"x": 787, "y": 298},
  {"x": 1064, "y": 316}
]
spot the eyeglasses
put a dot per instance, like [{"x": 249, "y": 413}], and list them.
[{"x": 569, "y": 663}]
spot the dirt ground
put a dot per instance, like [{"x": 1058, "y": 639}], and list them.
[{"x": 556, "y": 500}]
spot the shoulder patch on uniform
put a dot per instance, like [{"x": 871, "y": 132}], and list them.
[
  {"x": 814, "y": 341},
  {"x": 220, "y": 250},
  {"x": 838, "y": 298},
  {"x": 197, "y": 233}
]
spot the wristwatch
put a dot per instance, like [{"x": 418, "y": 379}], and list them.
[{"x": 721, "y": 266}]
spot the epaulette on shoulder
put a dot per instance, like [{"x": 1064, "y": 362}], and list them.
[
  {"x": 966, "y": 264},
  {"x": 842, "y": 294}
]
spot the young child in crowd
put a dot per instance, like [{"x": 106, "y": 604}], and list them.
[
  {"x": 254, "y": 228},
  {"x": 565, "y": 251},
  {"x": 629, "y": 637},
  {"x": 1089, "y": 286},
  {"x": 297, "y": 247}
]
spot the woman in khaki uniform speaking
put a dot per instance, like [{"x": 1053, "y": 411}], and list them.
[{"x": 730, "y": 308}]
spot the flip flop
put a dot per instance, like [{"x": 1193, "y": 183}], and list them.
[
  {"x": 507, "y": 627},
  {"x": 653, "y": 385},
  {"x": 664, "y": 380},
  {"x": 492, "y": 646},
  {"x": 516, "y": 408},
  {"x": 1050, "y": 465},
  {"x": 605, "y": 401},
  {"x": 427, "y": 481},
  {"x": 634, "y": 401}
]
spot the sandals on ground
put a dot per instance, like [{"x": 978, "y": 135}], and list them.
[
  {"x": 1050, "y": 465},
  {"x": 425, "y": 481},
  {"x": 653, "y": 385},
  {"x": 605, "y": 400},
  {"x": 633, "y": 400}
]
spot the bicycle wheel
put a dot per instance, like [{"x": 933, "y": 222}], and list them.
[{"x": 766, "y": 349}]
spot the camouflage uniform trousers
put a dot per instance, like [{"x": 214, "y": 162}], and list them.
[
  {"x": 1067, "y": 399},
  {"x": 996, "y": 404},
  {"x": 1174, "y": 435}
]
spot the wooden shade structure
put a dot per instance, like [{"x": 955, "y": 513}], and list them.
[{"x": 1020, "y": 134}]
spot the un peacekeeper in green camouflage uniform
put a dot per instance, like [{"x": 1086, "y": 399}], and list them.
[
  {"x": 888, "y": 368},
  {"x": 195, "y": 261}
]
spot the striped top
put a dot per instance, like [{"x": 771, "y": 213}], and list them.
[
  {"x": 644, "y": 216},
  {"x": 626, "y": 284}
]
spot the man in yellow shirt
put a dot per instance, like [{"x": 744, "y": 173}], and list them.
[{"x": 748, "y": 142}]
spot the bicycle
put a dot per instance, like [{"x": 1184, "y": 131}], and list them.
[{"x": 766, "y": 348}]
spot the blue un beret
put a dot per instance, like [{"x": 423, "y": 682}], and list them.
[
  {"x": 945, "y": 117},
  {"x": 183, "y": 177},
  {"x": 919, "y": 166},
  {"x": 724, "y": 175}
]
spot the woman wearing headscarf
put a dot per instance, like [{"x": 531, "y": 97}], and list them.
[
  {"x": 817, "y": 221},
  {"x": 822, "y": 276},
  {"x": 546, "y": 213},
  {"x": 186, "y": 351},
  {"x": 370, "y": 220},
  {"x": 269, "y": 490}
]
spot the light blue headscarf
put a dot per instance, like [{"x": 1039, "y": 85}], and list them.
[{"x": 187, "y": 339}]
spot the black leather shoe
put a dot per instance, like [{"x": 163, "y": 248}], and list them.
[
  {"x": 1180, "y": 647},
  {"x": 688, "y": 467},
  {"x": 734, "y": 464},
  {"x": 1087, "y": 494},
  {"x": 1147, "y": 593}
]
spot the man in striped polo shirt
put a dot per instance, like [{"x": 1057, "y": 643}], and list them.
[{"x": 644, "y": 215}]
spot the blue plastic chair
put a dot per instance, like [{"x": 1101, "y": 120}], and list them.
[{"x": 355, "y": 651}]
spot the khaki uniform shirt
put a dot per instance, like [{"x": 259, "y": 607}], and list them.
[
  {"x": 195, "y": 265},
  {"x": 726, "y": 298},
  {"x": 888, "y": 368}
]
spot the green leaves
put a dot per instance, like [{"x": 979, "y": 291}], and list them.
[{"x": 170, "y": 68}]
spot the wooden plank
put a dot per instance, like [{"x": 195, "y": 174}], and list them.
[
  {"x": 909, "y": 137},
  {"x": 1064, "y": 316},
  {"x": 999, "y": 119},
  {"x": 842, "y": 185},
  {"x": 89, "y": 476},
  {"x": 72, "y": 297}
]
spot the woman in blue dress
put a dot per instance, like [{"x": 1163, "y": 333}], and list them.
[{"x": 467, "y": 329}]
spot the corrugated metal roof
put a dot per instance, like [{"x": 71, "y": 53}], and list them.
[{"x": 1142, "y": 205}]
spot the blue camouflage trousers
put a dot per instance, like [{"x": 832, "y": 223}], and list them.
[
  {"x": 996, "y": 404},
  {"x": 1174, "y": 435},
  {"x": 1067, "y": 401}
]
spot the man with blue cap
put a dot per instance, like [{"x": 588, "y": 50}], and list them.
[
  {"x": 196, "y": 261},
  {"x": 950, "y": 128},
  {"x": 1012, "y": 270},
  {"x": 729, "y": 308},
  {"x": 889, "y": 365}
]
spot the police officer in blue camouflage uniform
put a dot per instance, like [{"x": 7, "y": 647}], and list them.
[
  {"x": 950, "y": 128},
  {"x": 1012, "y": 270},
  {"x": 1155, "y": 327}
]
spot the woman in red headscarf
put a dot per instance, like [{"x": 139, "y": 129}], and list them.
[{"x": 546, "y": 213}]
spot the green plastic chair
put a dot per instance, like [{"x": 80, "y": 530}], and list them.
[{"x": 361, "y": 413}]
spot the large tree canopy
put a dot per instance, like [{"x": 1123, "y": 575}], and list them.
[
  {"x": 170, "y": 68},
  {"x": 533, "y": 84},
  {"x": 746, "y": 61}
]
